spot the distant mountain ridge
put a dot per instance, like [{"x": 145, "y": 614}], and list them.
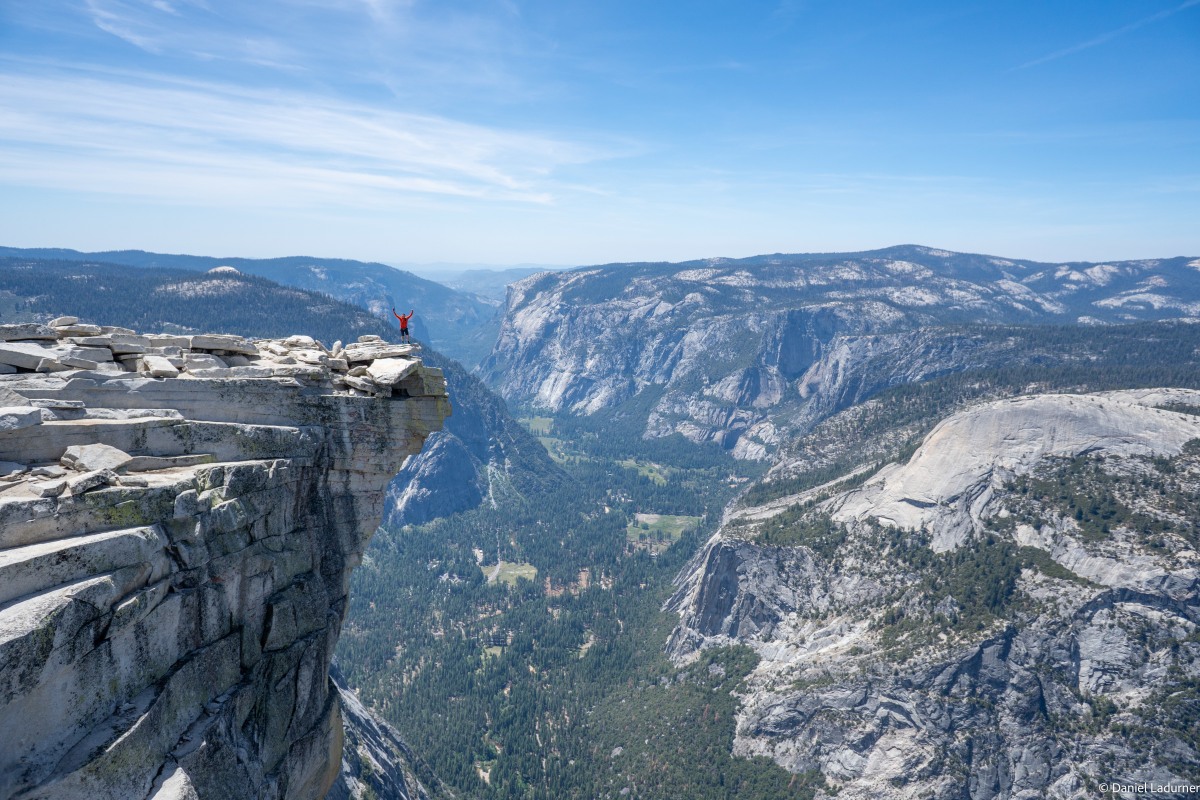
[
  {"x": 490, "y": 284},
  {"x": 445, "y": 317},
  {"x": 173, "y": 300},
  {"x": 734, "y": 350}
]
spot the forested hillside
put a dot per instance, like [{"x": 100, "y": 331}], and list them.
[
  {"x": 175, "y": 300},
  {"x": 519, "y": 645},
  {"x": 550, "y": 681},
  {"x": 448, "y": 319}
]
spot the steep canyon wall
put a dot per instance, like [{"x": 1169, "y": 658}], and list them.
[{"x": 179, "y": 517}]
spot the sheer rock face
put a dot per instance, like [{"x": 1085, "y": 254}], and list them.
[
  {"x": 375, "y": 760},
  {"x": 167, "y": 620},
  {"x": 877, "y": 672},
  {"x": 741, "y": 352},
  {"x": 947, "y": 484},
  {"x": 444, "y": 479}
]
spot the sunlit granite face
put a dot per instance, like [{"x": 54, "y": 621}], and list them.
[
  {"x": 949, "y": 628},
  {"x": 179, "y": 516}
]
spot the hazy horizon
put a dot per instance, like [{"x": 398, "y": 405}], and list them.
[{"x": 434, "y": 270}]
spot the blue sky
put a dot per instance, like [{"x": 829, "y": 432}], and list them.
[{"x": 583, "y": 132}]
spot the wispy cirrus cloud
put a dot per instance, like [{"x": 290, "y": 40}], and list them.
[
  {"x": 414, "y": 47},
  {"x": 190, "y": 29},
  {"x": 116, "y": 18},
  {"x": 1104, "y": 38},
  {"x": 203, "y": 142}
]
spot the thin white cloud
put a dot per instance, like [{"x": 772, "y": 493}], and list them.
[
  {"x": 1104, "y": 38},
  {"x": 421, "y": 50},
  {"x": 163, "y": 5},
  {"x": 384, "y": 10},
  {"x": 116, "y": 19},
  {"x": 189, "y": 28},
  {"x": 204, "y": 143}
]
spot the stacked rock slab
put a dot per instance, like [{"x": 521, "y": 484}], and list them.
[{"x": 179, "y": 517}]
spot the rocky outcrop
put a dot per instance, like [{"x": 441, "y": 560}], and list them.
[
  {"x": 1014, "y": 612},
  {"x": 177, "y": 530},
  {"x": 481, "y": 453},
  {"x": 746, "y": 352},
  {"x": 947, "y": 485},
  {"x": 444, "y": 479},
  {"x": 375, "y": 760},
  {"x": 147, "y": 296}
]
